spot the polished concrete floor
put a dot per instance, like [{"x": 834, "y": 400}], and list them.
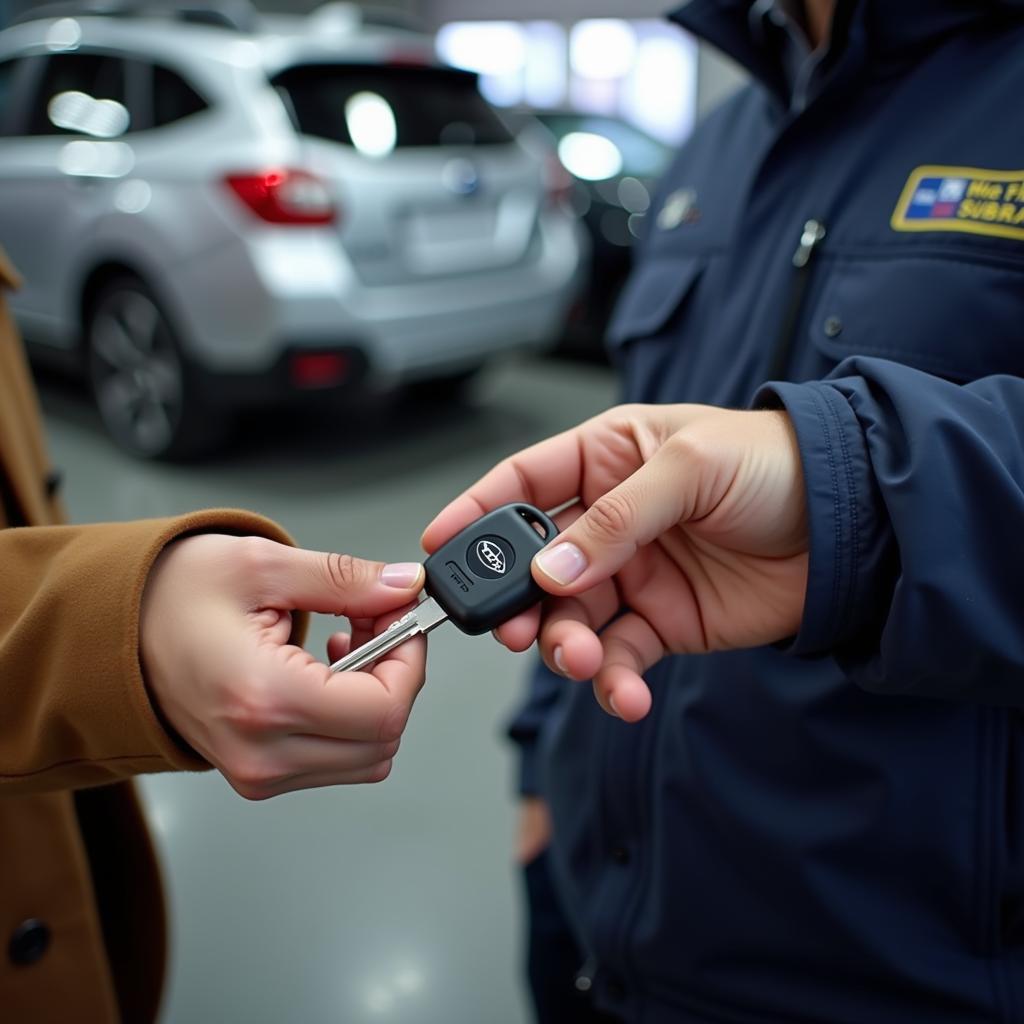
[{"x": 392, "y": 903}]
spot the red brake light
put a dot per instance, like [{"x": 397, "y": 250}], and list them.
[
  {"x": 285, "y": 196},
  {"x": 319, "y": 369}
]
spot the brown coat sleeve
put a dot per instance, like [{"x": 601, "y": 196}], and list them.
[{"x": 74, "y": 710}]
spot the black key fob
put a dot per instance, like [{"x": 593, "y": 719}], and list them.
[{"x": 481, "y": 577}]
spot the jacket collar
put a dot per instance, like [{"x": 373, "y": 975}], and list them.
[{"x": 867, "y": 35}]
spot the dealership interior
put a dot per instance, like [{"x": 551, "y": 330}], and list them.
[{"x": 399, "y": 902}]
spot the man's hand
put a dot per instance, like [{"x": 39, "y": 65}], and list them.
[
  {"x": 689, "y": 536},
  {"x": 216, "y": 621}
]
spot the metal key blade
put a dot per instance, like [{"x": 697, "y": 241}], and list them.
[{"x": 422, "y": 619}]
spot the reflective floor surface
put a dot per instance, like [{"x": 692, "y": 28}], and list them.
[{"x": 388, "y": 904}]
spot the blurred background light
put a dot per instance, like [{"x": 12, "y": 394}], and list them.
[
  {"x": 633, "y": 195},
  {"x": 602, "y": 48},
  {"x": 661, "y": 93},
  {"x": 82, "y": 158},
  {"x": 64, "y": 34},
  {"x": 371, "y": 124},
  {"x": 545, "y": 72},
  {"x": 79, "y": 112},
  {"x": 643, "y": 69},
  {"x": 133, "y": 196},
  {"x": 487, "y": 47},
  {"x": 589, "y": 156}
]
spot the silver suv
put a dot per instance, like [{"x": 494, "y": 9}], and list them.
[{"x": 210, "y": 215}]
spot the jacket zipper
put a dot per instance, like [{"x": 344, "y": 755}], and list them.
[{"x": 810, "y": 239}]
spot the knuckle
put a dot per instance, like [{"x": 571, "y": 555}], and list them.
[
  {"x": 611, "y": 517},
  {"x": 686, "y": 447},
  {"x": 252, "y": 556},
  {"x": 381, "y": 772},
  {"x": 624, "y": 651},
  {"x": 254, "y": 794},
  {"x": 251, "y": 710},
  {"x": 251, "y": 775},
  {"x": 346, "y": 571}
]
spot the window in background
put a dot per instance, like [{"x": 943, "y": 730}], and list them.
[
  {"x": 642, "y": 70},
  {"x": 80, "y": 78}
]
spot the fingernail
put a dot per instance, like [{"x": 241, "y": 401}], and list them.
[
  {"x": 563, "y": 563},
  {"x": 612, "y": 704},
  {"x": 560, "y": 660},
  {"x": 401, "y": 575}
]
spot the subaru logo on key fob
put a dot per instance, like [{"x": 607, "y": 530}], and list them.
[{"x": 491, "y": 557}]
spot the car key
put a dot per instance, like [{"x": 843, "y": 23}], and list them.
[{"x": 479, "y": 579}]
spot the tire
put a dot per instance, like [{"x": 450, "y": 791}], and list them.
[{"x": 143, "y": 386}]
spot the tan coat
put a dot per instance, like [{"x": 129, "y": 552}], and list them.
[{"x": 81, "y": 910}]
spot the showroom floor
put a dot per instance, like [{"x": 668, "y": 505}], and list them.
[{"x": 395, "y": 903}]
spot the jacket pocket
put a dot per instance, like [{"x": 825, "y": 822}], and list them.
[
  {"x": 955, "y": 316},
  {"x": 653, "y": 298}
]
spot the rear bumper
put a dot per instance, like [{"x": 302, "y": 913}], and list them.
[
  {"x": 302, "y": 374},
  {"x": 244, "y": 309}
]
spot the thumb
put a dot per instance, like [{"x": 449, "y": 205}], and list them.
[
  {"x": 315, "y": 581},
  {"x": 602, "y": 540}
]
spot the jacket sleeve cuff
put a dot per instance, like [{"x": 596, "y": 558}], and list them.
[
  {"x": 84, "y": 714},
  {"x": 841, "y": 512},
  {"x": 166, "y": 745},
  {"x": 529, "y": 770}
]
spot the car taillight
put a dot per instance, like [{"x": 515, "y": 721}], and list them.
[
  {"x": 285, "y": 196},
  {"x": 319, "y": 369}
]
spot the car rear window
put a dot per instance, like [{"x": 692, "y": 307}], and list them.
[
  {"x": 173, "y": 98},
  {"x": 428, "y": 106}
]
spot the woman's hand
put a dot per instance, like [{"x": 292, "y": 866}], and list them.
[{"x": 215, "y": 629}]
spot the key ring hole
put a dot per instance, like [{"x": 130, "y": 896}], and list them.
[{"x": 541, "y": 524}]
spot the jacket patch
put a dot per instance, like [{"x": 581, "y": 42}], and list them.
[{"x": 962, "y": 199}]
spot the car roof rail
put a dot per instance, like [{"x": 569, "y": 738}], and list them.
[{"x": 237, "y": 15}]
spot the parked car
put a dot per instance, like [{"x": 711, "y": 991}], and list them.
[
  {"x": 615, "y": 167},
  {"x": 211, "y": 213}
]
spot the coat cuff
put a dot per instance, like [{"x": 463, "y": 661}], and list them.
[
  {"x": 155, "y": 733},
  {"x": 88, "y": 717},
  {"x": 841, "y": 512}
]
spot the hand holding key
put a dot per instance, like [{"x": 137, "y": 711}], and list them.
[
  {"x": 479, "y": 579},
  {"x": 689, "y": 536},
  {"x": 216, "y": 653}
]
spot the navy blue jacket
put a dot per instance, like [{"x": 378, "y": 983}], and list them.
[{"x": 831, "y": 830}]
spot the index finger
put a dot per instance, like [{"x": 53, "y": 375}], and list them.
[
  {"x": 547, "y": 474},
  {"x": 371, "y": 705}
]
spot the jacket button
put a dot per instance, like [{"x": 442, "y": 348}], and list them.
[
  {"x": 833, "y": 327},
  {"x": 29, "y": 942},
  {"x": 619, "y": 854}
]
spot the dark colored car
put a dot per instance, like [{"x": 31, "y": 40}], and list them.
[{"x": 614, "y": 166}]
